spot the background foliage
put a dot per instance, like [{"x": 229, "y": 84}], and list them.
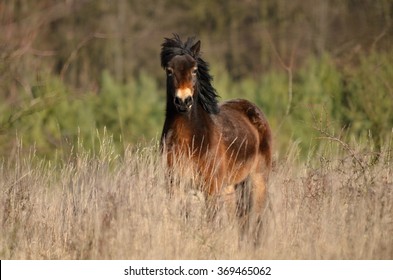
[{"x": 72, "y": 69}]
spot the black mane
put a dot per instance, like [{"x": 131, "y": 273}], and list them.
[{"x": 207, "y": 95}]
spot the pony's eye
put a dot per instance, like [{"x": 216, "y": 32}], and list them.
[
  {"x": 169, "y": 72},
  {"x": 194, "y": 71}
]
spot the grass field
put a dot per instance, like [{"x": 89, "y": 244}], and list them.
[{"x": 336, "y": 205}]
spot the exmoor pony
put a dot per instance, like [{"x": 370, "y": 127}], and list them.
[{"x": 227, "y": 144}]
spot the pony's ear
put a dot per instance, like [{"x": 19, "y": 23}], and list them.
[{"x": 196, "y": 48}]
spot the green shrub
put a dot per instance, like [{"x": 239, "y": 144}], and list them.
[
  {"x": 368, "y": 98},
  {"x": 324, "y": 99}
]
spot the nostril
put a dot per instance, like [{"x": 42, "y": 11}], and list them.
[
  {"x": 177, "y": 101},
  {"x": 188, "y": 101}
]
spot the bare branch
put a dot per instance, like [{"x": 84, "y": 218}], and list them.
[
  {"x": 287, "y": 68},
  {"x": 81, "y": 44}
]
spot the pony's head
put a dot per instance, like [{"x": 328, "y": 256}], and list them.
[{"x": 188, "y": 79}]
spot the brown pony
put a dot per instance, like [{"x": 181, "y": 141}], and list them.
[{"x": 227, "y": 144}]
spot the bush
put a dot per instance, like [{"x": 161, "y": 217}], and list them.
[{"x": 368, "y": 98}]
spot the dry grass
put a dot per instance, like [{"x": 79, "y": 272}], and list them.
[{"x": 112, "y": 207}]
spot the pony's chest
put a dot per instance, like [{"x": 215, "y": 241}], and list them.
[
  {"x": 188, "y": 140},
  {"x": 175, "y": 139}
]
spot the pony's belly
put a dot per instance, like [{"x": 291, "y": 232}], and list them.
[{"x": 240, "y": 171}]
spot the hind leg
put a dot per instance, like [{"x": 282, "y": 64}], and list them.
[
  {"x": 259, "y": 204},
  {"x": 243, "y": 204},
  {"x": 250, "y": 205}
]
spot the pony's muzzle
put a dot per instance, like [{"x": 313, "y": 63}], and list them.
[
  {"x": 183, "y": 100},
  {"x": 183, "y": 105}
]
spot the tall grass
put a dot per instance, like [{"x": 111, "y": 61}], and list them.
[{"x": 339, "y": 205}]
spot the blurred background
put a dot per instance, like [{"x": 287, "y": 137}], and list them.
[{"x": 73, "y": 70}]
